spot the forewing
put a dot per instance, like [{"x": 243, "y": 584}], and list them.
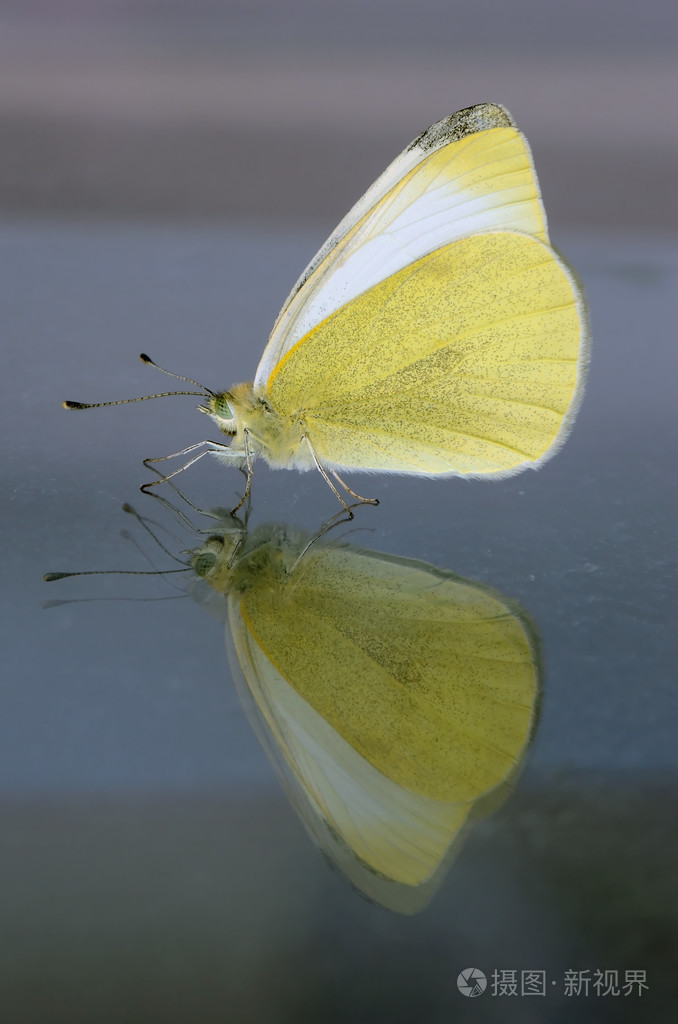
[{"x": 472, "y": 172}]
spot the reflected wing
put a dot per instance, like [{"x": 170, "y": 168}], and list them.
[
  {"x": 469, "y": 361},
  {"x": 379, "y": 835},
  {"x": 392, "y": 698},
  {"x": 470, "y": 173}
]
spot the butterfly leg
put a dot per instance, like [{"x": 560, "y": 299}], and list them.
[
  {"x": 179, "y": 514},
  {"x": 358, "y": 497},
  {"x": 326, "y": 477},
  {"x": 336, "y": 520},
  {"x": 250, "y": 473},
  {"x": 218, "y": 514},
  {"x": 148, "y": 524},
  {"x": 209, "y": 448}
]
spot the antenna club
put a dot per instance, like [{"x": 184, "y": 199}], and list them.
[
  {"x": 74, "y": 405},
  {"x": 49, "y": 577},
  {"x": 145, "y": 359}
]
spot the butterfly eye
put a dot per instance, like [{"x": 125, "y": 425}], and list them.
[
  {"x": 221, "y": 406},
  {"x": 204, "y": 563}
]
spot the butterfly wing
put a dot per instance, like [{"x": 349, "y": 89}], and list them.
[
  {"x": 472, "y": 172},
  {"x": 391, "y": 697},
  {"x": 388, "y": 842},
  {"x": 468, "y": 361}
]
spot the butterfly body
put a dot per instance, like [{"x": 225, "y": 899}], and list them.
[{"x": 255, "y": 425}]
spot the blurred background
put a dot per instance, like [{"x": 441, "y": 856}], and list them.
[
  {"x": 167, "y": 169},
  {"x": 255, "y": 110}
]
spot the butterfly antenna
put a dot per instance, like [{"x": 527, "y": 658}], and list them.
[
  {"x": 144, "y": 398},
  {"x": 50, "y": 577},
  {"x": 177, "y": 376},
  {"x": 91, "y": 600}
]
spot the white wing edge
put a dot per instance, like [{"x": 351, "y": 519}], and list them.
[{"x": 456, "y": 126}]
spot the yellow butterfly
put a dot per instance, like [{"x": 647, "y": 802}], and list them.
[
  {"x": 435, "y": 333},
  {"x": 395, "y": 700}
]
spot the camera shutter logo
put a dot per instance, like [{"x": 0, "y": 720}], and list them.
[{"x": 471, "y": 982}]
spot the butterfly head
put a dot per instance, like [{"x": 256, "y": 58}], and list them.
[
  {"x": 215, "y": 560},
  {"x": 221, "y": 408}
]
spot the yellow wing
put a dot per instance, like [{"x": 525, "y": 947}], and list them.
[
  {"x": 381, "y": 836},
  {"x": 469, "y": 361},
  {"x": 392, "y": 697},
  {"x": 470, "y": 173}
]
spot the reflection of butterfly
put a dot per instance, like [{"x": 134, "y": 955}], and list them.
[
  {"x": 436, "y": 332},
  {"x": 392, "y": 697}
]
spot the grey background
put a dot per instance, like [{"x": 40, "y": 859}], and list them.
[{"x": 166, "y": 173}]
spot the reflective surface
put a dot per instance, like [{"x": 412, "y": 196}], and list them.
[
  {"x": 396, "y": 701},
  {"x": 142, "y": 821}
]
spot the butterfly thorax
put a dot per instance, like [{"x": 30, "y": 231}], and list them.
[{"x": 278, "y": 437}]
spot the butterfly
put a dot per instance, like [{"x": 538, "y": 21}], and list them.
[
  {"x": 435, "y": 333},
  {"x": 395, "y": 700}
]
